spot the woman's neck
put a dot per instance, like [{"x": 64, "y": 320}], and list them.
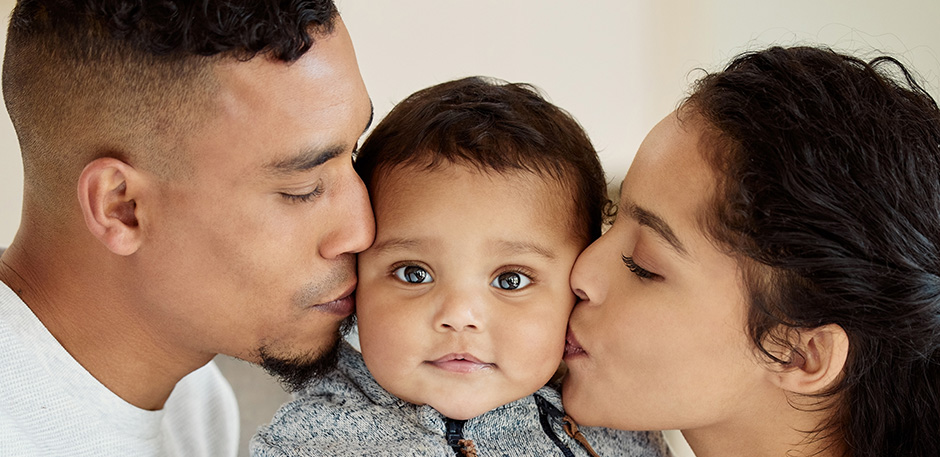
[{"x": 775, "y": 429}]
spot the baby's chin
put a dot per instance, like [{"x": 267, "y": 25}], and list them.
[
  {"x": 463, "y": 410},
  {"x": 468, "y": 400}
]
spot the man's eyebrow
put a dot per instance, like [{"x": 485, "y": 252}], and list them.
[
  {"x": 309, "y": 159},
  {"x": 650, "y": 219},
  {"x": 523, "y": 247}
]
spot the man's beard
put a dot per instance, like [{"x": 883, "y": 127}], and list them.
[{"x": 294, "y": 373}]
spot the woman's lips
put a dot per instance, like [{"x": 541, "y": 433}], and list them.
[
  {"x": 573, "y": 347},
  {"x": 460, "y": 363}
]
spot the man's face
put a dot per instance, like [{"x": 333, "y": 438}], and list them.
[{"x": 254, "y": 251}]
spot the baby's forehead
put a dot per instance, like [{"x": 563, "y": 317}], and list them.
[
  {"x": 527, "y": 180},
  {"x": 555, "y": 197}
]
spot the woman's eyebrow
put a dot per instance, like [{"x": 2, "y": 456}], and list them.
[{"x": 650, "y": 219}]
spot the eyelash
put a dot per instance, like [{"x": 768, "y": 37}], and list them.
[
  {"x": 517, "y": 270},
  {"x": 520, "y": 271},
  {"x": 636, "y": 269},
  {"x": 408, "y": 263},
  {"x": 304, "y": 198}
]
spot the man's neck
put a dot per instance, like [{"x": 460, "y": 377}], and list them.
[{"x": 95, "y": 321}]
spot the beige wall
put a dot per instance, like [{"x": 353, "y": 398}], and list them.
[
  {"x": 617, "y": 65},
  {"x": 11, "y": 169}
]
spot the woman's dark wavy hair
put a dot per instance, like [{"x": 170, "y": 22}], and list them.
[
  {"x": 199, "y": 27},
  {"x": 829, "y": 193},
  {"x": 490, "y": 125}
]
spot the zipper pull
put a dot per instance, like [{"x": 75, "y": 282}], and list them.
[
  {"x": 548, "y": 411},
  {"x": 571, "y": 428},
  {"x": 454, "y": 434}
]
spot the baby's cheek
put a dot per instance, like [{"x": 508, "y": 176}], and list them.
[{"x": 539, "y": 354}]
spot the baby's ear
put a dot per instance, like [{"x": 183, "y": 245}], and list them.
[{"x": 816, "y": 362}]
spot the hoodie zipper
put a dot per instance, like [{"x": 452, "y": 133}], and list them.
[
  {"x": 455, "y": 435},
  {"x": 546, "y": 409}
]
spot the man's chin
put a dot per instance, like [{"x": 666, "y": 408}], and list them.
[{"x": 295, "y": 372}]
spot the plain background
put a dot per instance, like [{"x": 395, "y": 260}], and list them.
[{"x": 618, "y": 66}]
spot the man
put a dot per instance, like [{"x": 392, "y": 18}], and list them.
[{"x": 189, "y": 191}]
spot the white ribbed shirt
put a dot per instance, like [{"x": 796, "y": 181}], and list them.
[{"x": 51, "y": 406}]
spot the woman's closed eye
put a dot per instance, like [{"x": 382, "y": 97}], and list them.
[{"x": 638, "y": 270}]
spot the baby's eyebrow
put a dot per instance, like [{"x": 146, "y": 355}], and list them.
[
  {"x": 523, "y": 247},
  {"x": 501, "y": 246},
  {"x": 396, "y": 243}
]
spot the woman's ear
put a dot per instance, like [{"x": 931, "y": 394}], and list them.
[
  {"x": 106, "y": 193},
  {"x": 818, "y": 357}
]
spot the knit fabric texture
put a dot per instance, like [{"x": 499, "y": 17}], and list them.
[{"x": 347, "y": 413}]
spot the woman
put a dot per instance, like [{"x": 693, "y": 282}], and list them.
[{"x": 770, "y": 285}]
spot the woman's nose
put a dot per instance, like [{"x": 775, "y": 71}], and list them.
[{"x": 588, "y": 276}]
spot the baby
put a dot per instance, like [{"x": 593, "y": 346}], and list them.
[{"x": 484, "y": 195}]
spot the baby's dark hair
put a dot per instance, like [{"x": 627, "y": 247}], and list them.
[
  {"x": 495, "y": 126},
  {"x": 829, "y": 193}
]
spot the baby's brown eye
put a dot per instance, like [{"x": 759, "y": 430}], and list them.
[
  {"x": 511, "y": 281},
  {"x": 413, "y": 274}
]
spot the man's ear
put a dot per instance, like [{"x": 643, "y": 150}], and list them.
[
  {"x": 817, "y": 360},
  {"x": 106, "y": 193}
]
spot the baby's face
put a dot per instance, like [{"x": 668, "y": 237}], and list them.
[{"x": 463, "y": 299}]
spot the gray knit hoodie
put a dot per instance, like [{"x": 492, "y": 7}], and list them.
[{"x": 348, "y": 414}]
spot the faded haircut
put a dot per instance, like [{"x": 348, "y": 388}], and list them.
[{"x": 130, "y": 79}]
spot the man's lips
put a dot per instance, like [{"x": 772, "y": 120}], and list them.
[
  {"x": 342, "y": 306},
  {"x": 460, "y": 363},
  {"x": 572, "y": 346}
]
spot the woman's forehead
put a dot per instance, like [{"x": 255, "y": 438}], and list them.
[{"x": 670, "y": 184}]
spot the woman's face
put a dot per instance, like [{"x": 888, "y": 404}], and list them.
[{"x": 658, "y": 340}]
